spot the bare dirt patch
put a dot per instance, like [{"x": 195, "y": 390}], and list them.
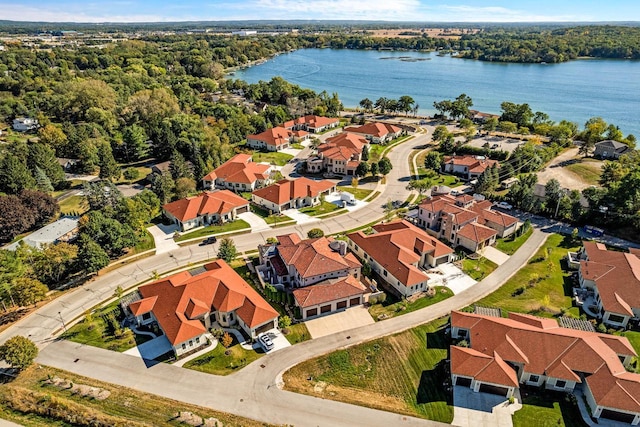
[
  {"x": 442, "y": 33},
  {"x": 571, "y": 170}
]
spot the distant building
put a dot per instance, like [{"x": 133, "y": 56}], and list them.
[
  {"x": 292, "y": 194},
  {"x": 376, "y": 132},
  {"x": 244, "y": 33},
  {"x": 63, "y": 230},
  {"x": 239, "y": 173},
  {"x": 311, "y": 123},
  {"x": 25, "y": 124},
  {"x": 67, "y": 164},
  {"x": 273, "y": 139},
  {"x": 469, "y": 167},
  {"x": 610, "y": 149}
]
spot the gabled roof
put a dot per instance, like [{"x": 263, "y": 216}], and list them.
[
  {"x": 328, "y": 290},
  {"x": 313, "y": 257},
  {"x": 616, "y": 275},
  {"x": 348, "y": 140},
  {"x": 375, "y": 129},
  {"x": 207, "y": 203},
  {"x": 397, "y": 246},
  {"x": 285, "y": 190},
  {"x": 473, "y": 163},
  {"x": 275, "y": 137},
  {"x": 311, "y": 121},
  {"x": 178, "y": 300},
  {"x": 239, "y": 169},
  {"x": 476, "y": 232},
  {"x": 492, "y": 369},
  {"x": 544, "y": 348}
]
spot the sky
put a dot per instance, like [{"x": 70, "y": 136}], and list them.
[{"x": 387, "y": 10}]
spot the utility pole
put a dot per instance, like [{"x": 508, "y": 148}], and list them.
[{"x": 62, "y": 320}]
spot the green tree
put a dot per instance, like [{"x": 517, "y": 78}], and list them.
[
  {"x": 406, "y": 103},
  {"x": 520, "y": 114},
  {"x": 490, "y": 124},
  {"x": 55, "y": 262},
  {"x": 433, "y": 160},
  {"x": 43, "y": 157},
  {"x": 362, "y": 169},
  {"x": 131, "y": 174},
  {"x": 227, "y": 250},
  {"x": 163, "y": 186},
  {"x": 91, "y": 257},
  {"x": 284, "y": 322},
  {"x": 374, "y": 168},
  {"x": 134, "y": 143},
  {"x": 101, "y": 194},
  {"x": 184, "y": 187},
  {"x": 382, "y": 104},
  {"x": 109, "y": 168},
  {"x": 365, "y": 153},
  {"x": 27, "y": 291},
  {"x": 315, "y": 233},
  {"x": 14, "y": 175},
  {"x": 366, "y": 104},
  {"x": 19, "y": 352},
  {"x": 54, "y": 137},
  {"x": 421, "y": 186},
  {"x": 385, "y": 166},
  {"x": 440, "y": 133},
  {"x": 179, "y": 167},
  {"x": 43, "y": 183}
]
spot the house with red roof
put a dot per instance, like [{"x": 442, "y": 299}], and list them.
[
  {"x": 311, "y": 123},
  {"x": 503, "y": 353},
  {"x": 323, "y": 276},
  {"x": 209, "y": 207},
  {"x": 276, "y": 139},
  {"x": 377, "y": 132},
  {"x": 399, "y": 252},
  {"x": 465, "y": 221},
  {"x": 340, "y": 154},
  {"x": 468, "y": 167},
  {"x": 614, "y": 277},
  {"x": 292, "y": 194},
  {"x": 186, "y": 305},
  {"x": 237, "y": 174}
]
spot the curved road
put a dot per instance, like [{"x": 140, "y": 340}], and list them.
[{"x": 252, "y": 392}]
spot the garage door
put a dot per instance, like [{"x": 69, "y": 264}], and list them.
[
  {"x": 354, "y": 301},
  {"x": 465, "y": 382},
  {"x": 312, "y": 312},
  {"x": 617, "y": 416},
  {"x": 341, "y": 304},
  {"x": 243, "y": 209},
  {"x": 325, "y": 308},
  {"x": 442, "y": 260},
  {"x": 493, "y": 389}
]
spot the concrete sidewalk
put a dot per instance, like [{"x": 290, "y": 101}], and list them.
[{"x": 163, "y": 237}]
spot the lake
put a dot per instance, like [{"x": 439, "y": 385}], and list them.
[{"x": 574, "y": 91}]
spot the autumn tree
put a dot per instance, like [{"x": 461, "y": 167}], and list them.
[{"x": 27, "y": 291}]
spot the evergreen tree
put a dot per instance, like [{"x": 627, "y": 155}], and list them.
[
  {"x": 179, "y": 167},
  {"x": 44, "y": 157},
  {"x": 134, "y": 141},
  {"x": 365, "y": 153},
  {"x": 14, "y": 175},
  {"x": 43, "y": 183},
  {"x": 91, "y": 257},
  {"x": 109, "y": 168}
]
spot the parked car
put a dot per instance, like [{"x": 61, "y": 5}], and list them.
[
  {"x": 209, "y": 241},
  {"x": 505, "y": 206},
  {"x": 265, "y": 342}
]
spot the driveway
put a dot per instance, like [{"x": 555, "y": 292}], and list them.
[
  {"x": 256, "y": 222},
  {"x": 299, "y": 216},
  {"x": 494, "y": 255},
  {"x": 151, "y": 349},
  {"x": 327, "y": 325},
  {"x": 335, "y": 198},
  {"x": 450, "y": 276},
  {"x": 163, "y": 237},
  {"x": 481, "y": 409}
]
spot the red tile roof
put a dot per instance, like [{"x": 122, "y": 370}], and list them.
[
  {"x": 328, "y": 290},
  {"x": 347, "y": 139},
  {"x": 314, "y": 257},
  {"x": 239, "y": 169},
  {"x": 476, "y": 232},
  {"x": 311, "y": 122},
  {"x": 474, "y": 164},
  {"x": 491, "y": 369},
  {"x": 616, "y": 275},
  {"x": 375, "y": 129},
  {"x": 285, "y": 190},
  {"x": 275, "y": 137},
  {"x": 397, "y": 246},
  {"x": 544, "y": 348},
  {"x": 207, "y": 203},
  {"x": 176, "y": 301}
]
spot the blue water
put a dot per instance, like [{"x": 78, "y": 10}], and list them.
[{"x": 574, "y": 91}]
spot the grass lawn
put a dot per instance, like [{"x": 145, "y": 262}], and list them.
[
  {"x": 375, "y": 151},
  {"x": 550, "y": 409},
  {"x": 297, "y": 333},
  {"x": 509, "y": 245},
  {"x": 99, "y": 332},
  {"x": 29, "y": 401},
  {"x": 269, "y": 219},
  {"x": 402, "y": 373},
  {"x": 322, "y": 208},
  {"x": 297, "y": 146},
  {"x": 478, "y": 269},
  {"x": 76, "y": 204},
  {"x": 143, "y": 171},
  {"x": 634, "y": 339},
  {"x": 358, "y": 193},
  {"x": 238, "y": 224},
  {"x": 218, "y": 363},
  {"x": 392, "y": 307},
  {"x": 588, "y": 172},
  {"x": 448, "y": 180},
  {"x": 274, "y": 158},
  {"x": 146, "y": 242},
  {"x": 541, "y": 287}
]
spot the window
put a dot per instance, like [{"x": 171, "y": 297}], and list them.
[
  {"x": 534, "y": 378},
  {"x": 190, "y": 343},
  {"x": 146, "y": 316},
  {"x": 561, "y": 384},
  {"x": 198, "y": 340},
  {"x": 184, "y": 346},
  {"x": 384, "y": 272},
  {"x": 615, "y": 318}
]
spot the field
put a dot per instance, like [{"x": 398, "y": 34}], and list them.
[
  {"x": 28, "y": 396},
  {"x": 236, "y": 225},
  {"x": 402, "y": 373},
  {"x": 274, "y": 158},
  {"x": 541, "y": 287},
  {"x": 392, "y": 307},
  {"x": 443, "y": 33},
  {"x": 218, "y": 362},
  {"x": 589, "y": 172}
]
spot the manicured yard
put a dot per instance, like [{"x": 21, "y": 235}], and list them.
[
  {"x": 298, "y": 333},
  {"x": 74, "y": 204},
  {"x": 28, "y": 400},
  {"x": 589, "y": 172},
  {"x": 392, "y": 307},
  {"x": 509, "y": 245},
  {"x": 269, "y": 219},
  {"x": 274, "y": 158},
  {"x": 550, "y": 409},
  {"x": 297, "y": 146},
  {"x": 322, "y": 208},
  {"x": 146, "y": 242},
  {"x": 227, "y": 227},
  {"x": 402, "y": 373},
  {"x": 478, "y": 269},
  {"x": 218, "y": 363},
  {"x": 358, "y": 193},
  {"x": 541, "y": 287},
  {"x": 101, "y": 331},
  {"x": 143, "y": 171}
]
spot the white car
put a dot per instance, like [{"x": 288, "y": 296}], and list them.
[
  {"x": 505, "y": 206},
  {"x": 265, "y": 342}
]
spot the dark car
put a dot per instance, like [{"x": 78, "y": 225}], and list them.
[{"x": 209, "y": 241}]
